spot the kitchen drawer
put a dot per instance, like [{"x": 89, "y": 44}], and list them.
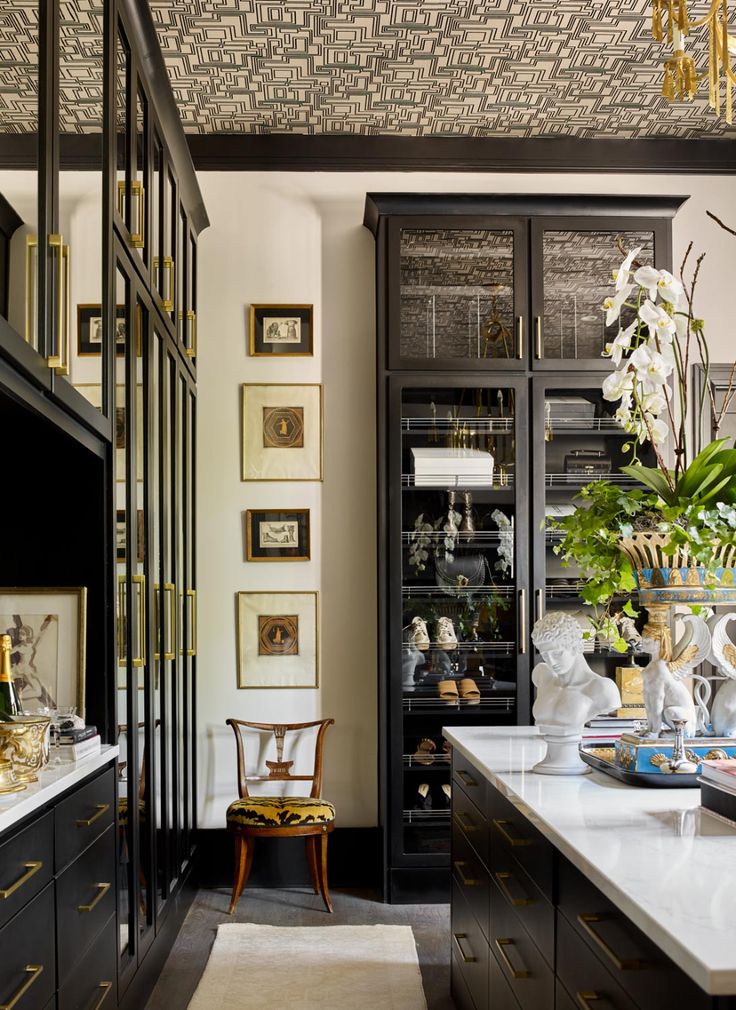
[
  {"x": 582, "y": 974},
  {"x": 460, "y": 996},
  {"x": 472, "y": 878},
  {"x": 469, "y": 779},
  {"x": 82, "y": 817},
  {"x": 28, "y": 964},
  {"x": 85, "y": 900},
  {"x": 519, "y": 959},
  {"x": 640, "y": 968},
  {"x": 470, "y": 949},
  {"x": 515, "y": 833},
  {"x": 563, "y": 999},
  {"x": 92, "y": 983},
  {"x": 518, "y": 890},
  {"x": 468, "y": 820},
  {"x": 26, "y": 865},
  {"x": 500, "y": 996}
]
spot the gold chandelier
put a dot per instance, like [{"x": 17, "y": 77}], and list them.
[{"x": 671, "y": 20}]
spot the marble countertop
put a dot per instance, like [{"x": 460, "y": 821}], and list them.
[
  {"x": 667, "y": 864},
  {"x": 52, "y": 782}
]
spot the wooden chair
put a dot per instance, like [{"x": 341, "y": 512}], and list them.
[{"x": 309, "y": 817}]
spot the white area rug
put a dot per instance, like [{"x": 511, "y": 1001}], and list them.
[{"x": 311, "y": 968}]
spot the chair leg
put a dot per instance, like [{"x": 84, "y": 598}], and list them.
[
  {"x": 312, "y": 860},
  {"x": 243, "y": 856},
  {"x": 322, "y": 869}
]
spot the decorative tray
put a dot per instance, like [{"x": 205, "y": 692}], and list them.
[{"x": 602, "y": 759}]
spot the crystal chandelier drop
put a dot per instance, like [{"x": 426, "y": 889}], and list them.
[{"x": 671, "y": 21}]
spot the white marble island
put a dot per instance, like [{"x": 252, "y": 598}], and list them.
[{"x": 667, "y": 865}]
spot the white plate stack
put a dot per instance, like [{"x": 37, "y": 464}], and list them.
[{"x": 452, "y": 467}]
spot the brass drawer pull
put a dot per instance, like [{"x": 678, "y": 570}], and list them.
[
  {"x": 102, "y": 890},
  {"x": 538, "y": 352},
  {"x": 587, "y": 921},
  {"x": 516, "y": 842},
  {"x": 101, "y": 809},
  {"x": 515, "y": 972},
  {"x": 520, "y": 337},
  {"x": 586, "y": 998},
  {"x": 107, "y": 989},
  {"x": 464, "y": 822},
  {"x": 466, "y": 881},
  {"x": 502, "y": 877},
  {"x": 457, "y": 937},
  {"x": 31, "y": 869},
  {"x": 34, "y": 971},
  {"x": 466, "y": 779}
]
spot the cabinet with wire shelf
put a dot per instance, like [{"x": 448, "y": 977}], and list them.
[{"x": 491, "y": 420}]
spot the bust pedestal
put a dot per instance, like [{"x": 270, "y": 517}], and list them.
[{"x": 563, "y": 754}]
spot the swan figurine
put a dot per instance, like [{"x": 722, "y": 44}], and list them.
[
  {"x": 723, "y": 657},
  {"x": 666, "y": 699}
]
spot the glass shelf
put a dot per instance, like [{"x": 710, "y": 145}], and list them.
[
  {"x": 443, "y": 482},
  {"x": 587, "y": 426},
  {"x": 426, "y": 816},
  {"x": 444, "y": 426},
  {"x": 480, "y": 537},
  {"x": 578, "y": 480},
  {"x": 438, "y": 764},
  {"x": 423, "y": 706}
]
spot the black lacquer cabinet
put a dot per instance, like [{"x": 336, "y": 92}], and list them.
[
  {"x": 100, "y": 211},
  {"x": 490, "y": 419}
]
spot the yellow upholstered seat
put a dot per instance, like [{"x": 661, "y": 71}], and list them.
[{"x": 279, "y": 811}]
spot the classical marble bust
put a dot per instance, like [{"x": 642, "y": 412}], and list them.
[{"x": 569, "y": 693}]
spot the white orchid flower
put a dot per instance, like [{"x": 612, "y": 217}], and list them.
[
  {"x": 616, "y": 348},
  {"x": 651, "y": 368},
  {"x": 670, "y": 289},
  {"x": 648, "y": 277},
  {"x": 621, "y": 275},
  {"x": 614, "y": 303},
  {"x": 618, "y": 383},
  {"x": 681, "y": 326},
  {"x": 653, "y": 403},
  {"x": 660, "y": 430},
  {"x": 660, "y": 323}
]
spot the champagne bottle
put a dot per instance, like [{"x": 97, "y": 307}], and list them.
[{"x": 9, "y": 702}]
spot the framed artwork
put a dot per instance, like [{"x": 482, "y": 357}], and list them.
[
  {"x": 48, "y": 631},
  {"x": 277, "y": 535},
  {"x": 278, "y": 640},
  {"x": 282, "y": 432},
  {"x": 89, "y": 330},
  {"x": 281, "y": 331},
  {"x": 120, "y": 535}
]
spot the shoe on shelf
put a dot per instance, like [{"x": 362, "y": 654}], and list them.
[
  {"x": 447, "y": 793},
  {"x": 418, "y": 635},
  {"x": 469, "y": 692},
  {"x": 445, "y": 634},
  {"x": 423, "y": 799},
  {"x": 425, "y": 751},
  {"x": 446, "y": 754},
  {"x": 448, "y": 692}
]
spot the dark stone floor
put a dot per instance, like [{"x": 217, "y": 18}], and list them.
[{"x": 186, "y": 962}]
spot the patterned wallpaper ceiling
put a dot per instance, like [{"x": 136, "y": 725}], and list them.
[{"x": 520, "y": 68}]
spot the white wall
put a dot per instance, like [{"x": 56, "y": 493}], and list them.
[{"x": 298, "y": 237}]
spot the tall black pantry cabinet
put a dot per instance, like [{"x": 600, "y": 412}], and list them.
[
  {"x": 100, "y": 211},
  {"x": 490, "y": 419}
]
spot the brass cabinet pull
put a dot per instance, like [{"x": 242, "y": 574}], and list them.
[
  {"x": 107, "y": 989},
  {"x": 463, "y": 821},
  {"x": 538, "y": 354},
  {"x": 34, "y": 971},
  {"x": 31, "y": 870},
  {"x": 465, "y": 881},
  {"x": 519, "y": 337},
  {"x": 586, "y": 998},
  {"x": 466, "y": 779},
  {"x": 190, "y": 346},
  {"x": 31, "y": 333},
  {"x": 167, "y": 288},
  {"x": 139, "y": 582},
  {"x": 170, "y": 653},
  {"x": 514, "y": 842},
  {"x": 502, "y": 877},
  {"x": 192, "y": 595},
  {"x": 458, "y": 937},
  {"x": 137, "y": 227},
  {"x": 522, "y": 621},
  {"x": 87, "y": 822},
  {"x": 539, "y": 600},
  {"x": 102, "y": 890},
  {"x": 501, "y": 946},
  {"x": 122, "y": 622},
  {"x": 60, "y": 360},
  {"x": 587, "y": 921}
]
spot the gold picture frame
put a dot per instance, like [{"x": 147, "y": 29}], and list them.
[
  {"x": 48, "y": 626},
  {"x": 278, "y": 640},
  {"x": 281, "y": 331},
  {"x": 282, "y": 431}
]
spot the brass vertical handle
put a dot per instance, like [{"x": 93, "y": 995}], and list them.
[
  {"x": 539, "y": 604},
  {"x": 138, "y": 226},
  {"x": 190, "y": 348},
  {"x": 192, "y": 596},
  {"x": 122, "y": 622},
  {"x": 522, "y": 622},
  {"x": 538, "y": 338},
  {"x": 31, "y": 333},
  {"x": 520, "y": 337},
  {"x": 34, "y": 971},
  {"x": 501, "y": 946},
  {"x": 156, "y": 620},
  {"x": 139, "y": 582},
  {"x": 170, "y": 652},
  {"x": 466, "y": 958},
  {"x": 106, "y": 990},
  {"x": 163, "y": 280},
  {"x": 60, "y": 331}
]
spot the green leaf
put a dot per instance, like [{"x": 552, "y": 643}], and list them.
[
  {"x": 628, "y": 609},
  {"x": 652, "y": 478}
]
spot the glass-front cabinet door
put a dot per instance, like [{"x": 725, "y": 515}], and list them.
[
  {"x": 457, "y": 293},
  {"x": 458, "y": 593},
  {"x": 572, "y": 274}
]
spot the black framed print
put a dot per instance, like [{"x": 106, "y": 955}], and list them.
[
  {"x": 277, "y": 535},
  {"x": 89, "y": 330},
  {"x": 281, "y": 331}
]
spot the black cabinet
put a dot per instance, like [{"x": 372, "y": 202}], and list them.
[{"x": 490, "y": 420}]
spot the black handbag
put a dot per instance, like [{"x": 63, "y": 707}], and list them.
[{"x": 588, "y": 462}]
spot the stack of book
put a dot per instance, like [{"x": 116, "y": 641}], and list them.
[
  {"x": 718, "y": 787},
  {"x": 610, "y": 727},
  {"x": 76, "y": 744},
  {"x": 452, "y": 467}
]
